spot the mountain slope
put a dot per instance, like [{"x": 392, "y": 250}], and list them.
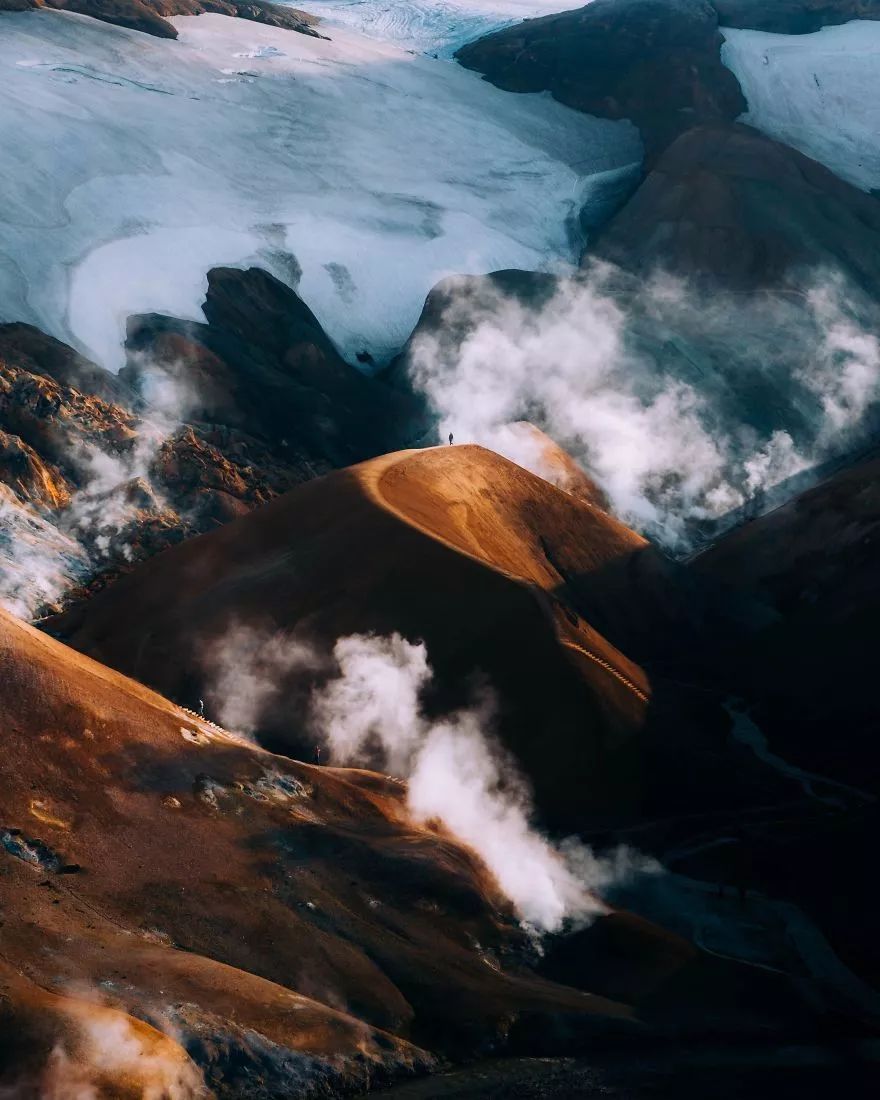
[
  {"x": 809, "y": 682},
  {"x": 655, "y": 63},
  {"x": 726, "y": 204},
  {"x": 512, "y": 585},
  {"x": 815, "y": 561},
  {"x": 204, "y": 421},
  {"x": 269, "y": 914}
]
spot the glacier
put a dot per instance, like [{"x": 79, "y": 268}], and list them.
[
  {"x": 438, "y": 27},
  {"x": 817, "y": 92},
  {"x": 357, "y": 172}
]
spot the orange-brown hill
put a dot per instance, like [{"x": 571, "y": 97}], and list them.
[
  {"x": 509, "y": 581},
  {"x": 289, "y": 926},
  {"x": 187, "y": 915}
]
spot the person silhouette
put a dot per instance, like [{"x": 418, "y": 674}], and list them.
[{"x": 450, "y": 439}]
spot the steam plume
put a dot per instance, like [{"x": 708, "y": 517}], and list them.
[
  {"x": 681, "y": 405},
  {"x": 458, "y": 774},
  {"x": 245, "y": 668},
  {"x": 43, "y": 556}
]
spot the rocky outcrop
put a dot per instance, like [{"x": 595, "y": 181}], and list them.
[
  {"x": 57, "y": 421},
  {"x": 151, "y": 16},
  {"x": 24, "y": 471},
  {"x": 656, "y": 62},
  {"x": 726, "y": 205},
  {"x": 30, "y": 349},
  {"x": 87, "y": 472},
  {"x": 205, "y": 422},
  {"x": 263, "y": 366}
]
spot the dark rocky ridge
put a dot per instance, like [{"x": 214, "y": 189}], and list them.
[
  {"x": 266, "y": 403},
  {"x": 263, "y": 365},
  {"x": 815, "y": 560},
  {"x": 793, "y": 16},
  {"x": 727, "y": 205},
  {"x": 656, "y": 62},
  {"x": 151, "y": 16}
]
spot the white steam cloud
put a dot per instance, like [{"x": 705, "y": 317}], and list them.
[
  {"x": 670, "y": 451},
  {"x": 43, "y": 554},
  {"x": 459, "y": 775},
  {"x": 117, "y": 485},
  {"x": 844, "y": 371},
  {"x": 107, "y": 1053},
  {"x": 38, "y": 563},
  {"x": 245, "y": 669}
]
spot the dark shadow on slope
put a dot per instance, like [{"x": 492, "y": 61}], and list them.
[{"x": 263, "y": 365}]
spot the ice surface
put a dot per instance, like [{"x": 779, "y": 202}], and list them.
[
  {"x": 818, "y": 92},
  {"x": 431, "y": 26},
  {"x": 354, "y": 170}
]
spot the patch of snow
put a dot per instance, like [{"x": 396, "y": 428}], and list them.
[
  {"x": 132, "y": 164},
  {"x": 437, "y": 27},
  {"x": 817, "y": 92}
]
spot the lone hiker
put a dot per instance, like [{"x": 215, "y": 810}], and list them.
[
  {"x": 450, "y": 439},
  {"x": 201, "y": 708}
]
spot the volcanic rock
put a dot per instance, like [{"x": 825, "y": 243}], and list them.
[
  {"x": 546, "y": 599},
  {"x": 28, "y": 348},
  {"x": 263, "y": 365},
  {"x": 151, "y": 16},
  {"x": 656, "y": 62},
  {"x": 726, "y": 205}
]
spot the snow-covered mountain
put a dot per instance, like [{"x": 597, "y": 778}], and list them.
[
  {"x": 818, "y": 92},
  {"x": 369, "y": 174}
]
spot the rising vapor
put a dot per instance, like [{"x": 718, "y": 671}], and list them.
[
  {"x": 683, "y": 406},
  {"x": 458, "y": 774}
]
